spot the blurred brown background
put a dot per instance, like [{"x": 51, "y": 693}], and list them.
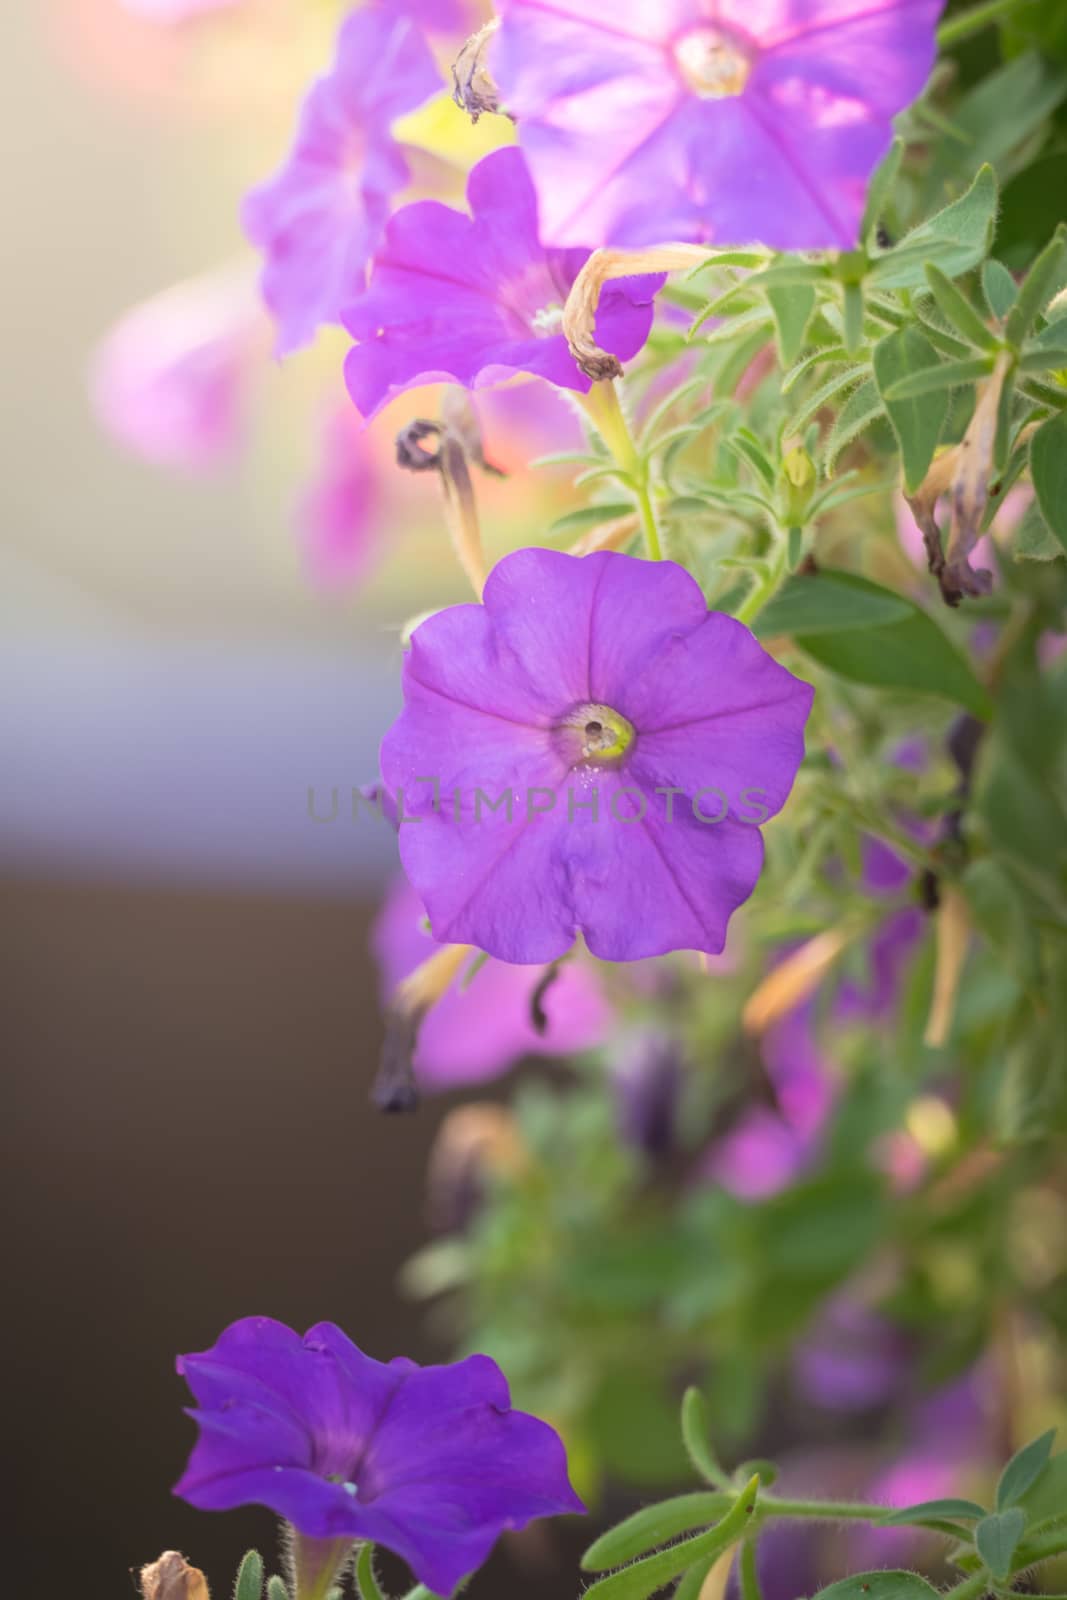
[{"x": 190, "y": 1018}]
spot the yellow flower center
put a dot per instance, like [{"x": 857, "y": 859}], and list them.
[
  {"x": 714, "y": 64},
  {"x": 597, "y": 735}
]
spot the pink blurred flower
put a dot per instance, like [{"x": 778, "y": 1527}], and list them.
[
  {"x": 320, "y": 217},
  {"x": 337, "y": 517},
  {"x": 479, "y": 1032},
  {"x": 170, "y": 11},
  {"x": 169, "y": 382}
]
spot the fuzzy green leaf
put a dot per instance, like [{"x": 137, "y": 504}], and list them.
[
  {"x": 947, "y": 375},
  {"x": 1037, "y": 289},
  {"x": 916, "y": 422},
  {"x": 956, "y": 239},
  {"x": 643, "y": 1578},
  {"x": 652, "y": 1526},
  {"x": 695, "y": 1437},
  {"x": 958, "y": 310},
  {"x": 996, "y": 1537},
  {"x": 1023, "y": 1470},
  {"x": 249, "y": 1584},
  {"x": 1048, "y": 468}
]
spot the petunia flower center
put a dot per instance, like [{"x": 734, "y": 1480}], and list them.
[
  {"x": 713, "y": 63},
  {"x": 547, "y": 321},
  {"x": 596, "y": 735}
]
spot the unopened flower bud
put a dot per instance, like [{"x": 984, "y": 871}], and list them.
[
  {"x": 798, "y": 486},
  {"x": 172, "y": 1578}
]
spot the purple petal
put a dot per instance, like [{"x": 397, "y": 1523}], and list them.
[
  {"x": 465, "y": 298},
  {"x": 624, "y": 151}
]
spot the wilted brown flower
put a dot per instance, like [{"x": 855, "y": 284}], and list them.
[
  {"x": 473, "y": 88},
  {"x": 172, "y": 1578}
]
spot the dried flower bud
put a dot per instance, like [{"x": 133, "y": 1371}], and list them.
[
  {"x": 395, "y": 1089},
  {"x": 172, "y": 1578},
  {"x": 792, "y": 980},
  {"x": 579, "y": 313},
  {"x": 473, "y": 88},
  {"x": 964, "y": 473},
  {"x": 459, "y": 439}
]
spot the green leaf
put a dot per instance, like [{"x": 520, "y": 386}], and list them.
[
  {"x": 908, "y": 651},
  {"x": 249, "y": 1584},
  {"x": 863, "y": 406},
  {"x": 1034, "y": 539},
  {"x": 956, "y": 239},
  {"x": 933, "y": 1511},
  {"x": 995, "y": 118},
  {"x": 367, "y": 1585},
  {"x": 792, "y": 305},
  {"x": 652, "y": 1526},
  {"x": 277, "y": 1589},
  {"x": 643, "y": 1578},
  {"x": 948, "y": 375},
  {"x": 695, "y": 1437},
  {"x": 744, "y": 443},
  {"x": 1046, "y": 1498},
  {"x": 1023, "y": 1470},
  {"x": 591, "y": 516},
  {"x": 916, "y": 422},
  {"x": 852, "y": 317},
  {"x": 1002, "y": 916},
  {"x": 691, "y": 1585},
  {"x": 996, "y": 1537},
  {"x": 828, "y": 601},
  {"x": 958, "y": 310},
  {"x": 1037, "y": 289},
  {"x": 1048, "y": 468},
  {"x": 826, "y": 391},
  {"x": 999, "y": 289},
  {"x": 881, "y": 187},
  {"x": 878, "y": 1586}
]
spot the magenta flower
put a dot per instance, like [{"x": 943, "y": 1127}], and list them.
[
  {"x": 480, "y": 1031},
  {"x": 475, "y": 299},
  {"x": 589, "y": 752},
  {"x": 337, "y": 516},
  {"x": 319, "y": 219},
  {"x": 725, "y": 120},
  {"x": 429, "y": 1462},
  {"x": 170, "y": 381}
]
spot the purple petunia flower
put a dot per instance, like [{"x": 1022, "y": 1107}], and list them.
[
  {"x": 589, "y": 752},
  {"x": 319, "y": 219},
  {"x": 478, "y": 1032},
  {"x": 429, "y": 1462},
  {"x": 726, "y": 120},
  {"x": 475, "y": 299}
]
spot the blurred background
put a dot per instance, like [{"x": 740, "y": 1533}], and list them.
[{"x": 191, "y": 1019}]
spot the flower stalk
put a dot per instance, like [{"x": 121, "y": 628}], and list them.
[{"x": 604, "y": 410}]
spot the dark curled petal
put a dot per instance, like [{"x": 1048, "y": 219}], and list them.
[
  {"x": 538, "y": 1014},
  {"x": 473, "y": 88},
  {"x": 964, "y": 738},
  {"x": 409, "y": 451},
  {"x": 929, "y": 890},
  {"x": 395, "y": 1091}
]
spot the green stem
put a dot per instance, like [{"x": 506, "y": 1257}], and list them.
[
  {"x": 822, "y": 1510},
  {"x": 964, "y": 23},
  {"x": 747, "y": 1573},
  {"x": 602, "y": 407},
  {"x": 970, "y": 1589}
]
